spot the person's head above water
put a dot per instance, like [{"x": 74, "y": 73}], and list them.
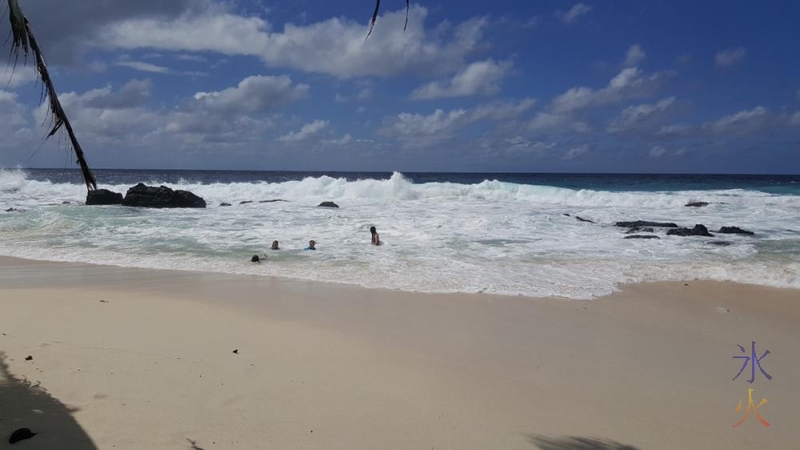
[
  {"x": 275, "y": 245},
  {"x": 312, "y": 244},
  {"x": 255, "y": 259},
  {"x": 372, "y": 230}
]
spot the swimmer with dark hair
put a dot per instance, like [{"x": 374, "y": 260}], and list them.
[
  {"x": 275, "y": 246},
  {"x": 312, "y": 245},
  {"x": 376, "y": 238}
]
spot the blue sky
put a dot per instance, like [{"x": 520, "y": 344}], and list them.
[{"x": 546, "y": 86}]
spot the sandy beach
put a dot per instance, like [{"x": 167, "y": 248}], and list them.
[{"x": 133, "y": 358}]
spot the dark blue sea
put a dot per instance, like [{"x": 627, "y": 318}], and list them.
[{"x": 774, "y": 184}]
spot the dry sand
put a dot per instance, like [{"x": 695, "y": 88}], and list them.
[{"x": 134, "y": 359}]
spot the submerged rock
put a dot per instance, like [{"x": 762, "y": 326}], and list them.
[
  {"x": 581, "y": 219},
  {"x": 327, "y": 205},
  {"x": 735, "y": 230},
  {"x": 642, "y": 236},
  {"x": 645, "y": 223},
  {"x": 640, "y": 230},
  {"x": 697, "y": 204},
  {"x": 161, "y": 197},
  {"x": 224, "y": 204},
  {"x": 698, "y": 230},
  {"x": 14, "y": 210},
  {"x": 103, "y": 197},
  {"x": 244, "y": 202},
  {"x": 721, "y": 243},
  {"x": 272, "y": 201}
]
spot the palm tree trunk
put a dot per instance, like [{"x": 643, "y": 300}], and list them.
[{"x": 23, "y": 41}]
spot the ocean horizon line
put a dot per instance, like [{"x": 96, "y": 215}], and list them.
[{"x": 76, "y": 169}]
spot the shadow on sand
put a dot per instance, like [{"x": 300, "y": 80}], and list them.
[
  {"x": 577, "y": 443},
  {"x": 27, "y": 405}
]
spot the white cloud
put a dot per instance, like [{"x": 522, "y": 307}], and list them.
[
  {"x": 658, "y": 151},
  {"x": 144, "y": 67},
  {"x": 635, "y": 55},
  {"x": 364, "y": 94},
  {"x": 566, "y": 112},
  {"x": 192, "y": 58},
  {"x": 253, "y": 95},
  {"x": 14, "y": 121},
  {"x": 420, "y": 129},
  {"x": 739, "y": 122},
  {"x": 335, "y": 46},
  {"x": 520, "y": 145},
  {"x": 346, "y": 139},
  {"x": 133, "y": 93},
  {"x": 409, "y": 125},
  {"x": 675, "y": 129},
  {"x": 641, "y": 116},
  {"x": 572, "y": 15},
  {"x": 577, "y": 152},
  {"x": 749, "y": 122},
  {"x": 13, "y": 77},
  {"x": 629, "y": 84},
  {"x": 305, "y": 132},
  {"x": 545, "y": 121},
  {"x": 213, "y": 120},
  {"x": 103, "y": 116},
  {"x": 500, "y": 111},
  {"x": 480, "y": 77},
  {"x": 729, "y": 57}
]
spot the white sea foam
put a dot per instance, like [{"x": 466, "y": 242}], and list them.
[{"x": 492, "y": 237}]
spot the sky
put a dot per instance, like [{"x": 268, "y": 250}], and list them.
[{"x": 475, "y": 86}]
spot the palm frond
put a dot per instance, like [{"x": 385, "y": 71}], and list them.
[
  {"x": 24, "y": 43},
  {"x": 375, "y": 16}
]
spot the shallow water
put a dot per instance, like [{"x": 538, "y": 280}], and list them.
[{"x": 494, "y": 233}]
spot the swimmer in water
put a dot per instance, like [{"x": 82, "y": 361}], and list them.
[
  {"x": 312, "y": 245},
  {"x": 275, "y": 246},
  {"x": 376, "y": 238}
]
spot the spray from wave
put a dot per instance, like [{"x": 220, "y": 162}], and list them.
[{"x": 492, "y": 236}]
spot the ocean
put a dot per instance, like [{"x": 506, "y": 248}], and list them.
[{"x": 443, "y": 232}]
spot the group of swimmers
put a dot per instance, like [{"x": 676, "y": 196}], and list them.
[{"x": 312, "y": 245}]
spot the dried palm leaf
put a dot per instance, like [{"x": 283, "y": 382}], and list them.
[
  {"x": 377, "y": 10},
  {"x": 24, "y": 43}
]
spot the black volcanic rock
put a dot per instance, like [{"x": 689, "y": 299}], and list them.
[
  {"x": 224, "y": 204},
  {"x": 645, "y": 223},
  {"x": 244, "y": 202},
  {"x": 642, "y": 236},
  {"x": 103, "y": 197},
  {"x": 697, "y": 204},
  {"x": 581, "y": 219},
  {"x": 328, "y": 205},
  {"x": 721, "y": 243},
  {"x": 161, "y": 197},
  {"x": 735, "y": 230},
  {"x": 698, "y": 230},
  {"x": 640, "y": 230},
  {"x": 272, "y": 201}
]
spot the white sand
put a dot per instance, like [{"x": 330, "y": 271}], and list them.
[{"x": 324, "y": 366}]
